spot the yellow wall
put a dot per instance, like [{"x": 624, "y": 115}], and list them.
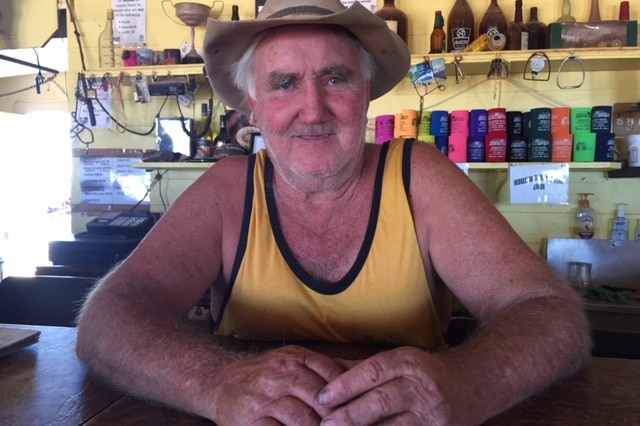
[{"x": 533, "y": 223}]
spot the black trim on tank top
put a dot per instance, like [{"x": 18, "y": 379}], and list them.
[
  {"x": 304, "y": 276},
  {"x": 406, "y": 165},
  {"x": 242, "y": 241}
]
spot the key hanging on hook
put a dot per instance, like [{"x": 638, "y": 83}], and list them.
[{"x": 458, "y": 70}]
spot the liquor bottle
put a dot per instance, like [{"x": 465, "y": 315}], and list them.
[
  {"x": 205, "y": 141},
  {"x": 494, "y": 24},
  {"x": 395, "y": 18},
  {"x": 235, "y": 16},
  {"x": 525, "y": 32},
  {"x": 594, "y": 13},
  {"x": 514, "y": 31},
  {"x": 223, "y": 136},
  {"x": 566, "y": 12},
  {"x": 438, "y": 36},
  {"x": 460, "y": 27},
  {"x": 109, "y": 44},
  {"x": 537, "y": 31}
]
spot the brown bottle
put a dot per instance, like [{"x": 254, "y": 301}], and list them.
[
  {"x": 494, "y": 24},
  {"x": 438, "y": 36},
  {"x": 594, "y": 13},
  {"x": 460, "y": 27},
  {"x": 514, "y": 31},
  {"x": 537, "y": 31},
  {"x": 395, "y": 18}
]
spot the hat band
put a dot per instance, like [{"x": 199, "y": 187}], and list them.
[{"x": 300, "y": 10}]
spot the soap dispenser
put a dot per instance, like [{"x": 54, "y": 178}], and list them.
[
  {"x": 620, "y": 228},
  {"x": 584, "y": 218}
]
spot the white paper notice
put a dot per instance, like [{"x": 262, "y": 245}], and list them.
[
  {"x": 539, "y": 184},
  {"x": 102, "y": 118},
  {"x": 130, "y": 18},
  {"x": 112, "y": 180}
]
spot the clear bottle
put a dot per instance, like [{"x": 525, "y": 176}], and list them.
[
  {"x": 582, "y": 281},
  {"x": 235, "y": 15},
  {"x": 620, "y": 228},
  {"x": 438, "y": 36},
  {"x": 494, "y": 24},
  {"x": 109, "y": 44},
  {"x": 395, "y": 18},
  {"x": 537, "y": 31},
  {"x": 460, "y": 27},
  {"x": 584, "y": 218}
]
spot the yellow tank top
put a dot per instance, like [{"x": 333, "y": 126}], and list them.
[{"x": 384, "y": 298}]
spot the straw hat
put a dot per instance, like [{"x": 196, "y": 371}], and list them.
[{"x": 226, "y": 41}]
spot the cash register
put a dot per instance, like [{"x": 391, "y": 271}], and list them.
[{"x": 109, "y": 239}]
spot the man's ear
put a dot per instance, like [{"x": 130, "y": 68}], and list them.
[{"x": 252, "y": 104}]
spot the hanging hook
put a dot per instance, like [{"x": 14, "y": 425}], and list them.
[
  {"x": 571, "y": 58},
  {"x": 456, "y": 64}
]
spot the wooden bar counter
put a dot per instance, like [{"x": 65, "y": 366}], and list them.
[{"x": 46, "y": 384}]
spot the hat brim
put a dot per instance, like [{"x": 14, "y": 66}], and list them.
[{"x": 226, "y": 41}]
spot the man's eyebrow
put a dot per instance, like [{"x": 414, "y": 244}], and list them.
[
  {"x": 339, "y": 70},
  {"x": 277, "y": 78}
]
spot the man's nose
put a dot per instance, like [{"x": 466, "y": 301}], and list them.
[{"x": 313, "y": 103}]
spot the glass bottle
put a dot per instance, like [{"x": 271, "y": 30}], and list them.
[
  {"x": 594, "y": 13},
  {"x": 205, "y": 141},
  {"x": 494, "y": 24},
  {"x": 109, "y": 44},
  {"x": 519, "y": 20},
  {"x": 515, "y": 33},
  {"x": 582, "y": 282},
  {"x": 566, "y": 12},
  {"x": 223, "y": 135},
  {"x": 395, "y": 18},
  {"x": 537, "y": 31},
  {"x": 584, "y": 218},
  {"x": 460, "y": 26},
  {"x": 438, "y": 36},
  {"x": 235, "y": 16}
]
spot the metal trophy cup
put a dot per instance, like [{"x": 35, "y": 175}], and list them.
[{"x": 193, "y": 15}]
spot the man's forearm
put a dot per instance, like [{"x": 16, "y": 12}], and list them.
[
  {"x": 530, "y": 346},
  {"x": 135, "y": 346}
]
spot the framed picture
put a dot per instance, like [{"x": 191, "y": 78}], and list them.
[{"x": 257, "y": 142}]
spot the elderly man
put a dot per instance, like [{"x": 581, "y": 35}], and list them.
[{"x": 326, "y": 238}]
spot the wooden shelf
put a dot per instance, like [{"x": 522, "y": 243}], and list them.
[
  {"x": 177, "y": 165},
  {"x": 610, "y": 58},
  {"x": 605, "y": 166},
  {"x": 472, "y": 166}
]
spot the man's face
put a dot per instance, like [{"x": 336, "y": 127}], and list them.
[{"x": 311, "y": 103}]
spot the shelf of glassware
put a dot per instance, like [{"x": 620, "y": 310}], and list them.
[
  {"x": 604, "y": 166},
  {"x": 610, "y": 58}
]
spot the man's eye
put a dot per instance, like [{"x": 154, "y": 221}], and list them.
[
  {"x": 336, "y": 80},
  {"x": 286, "y": 85}
]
